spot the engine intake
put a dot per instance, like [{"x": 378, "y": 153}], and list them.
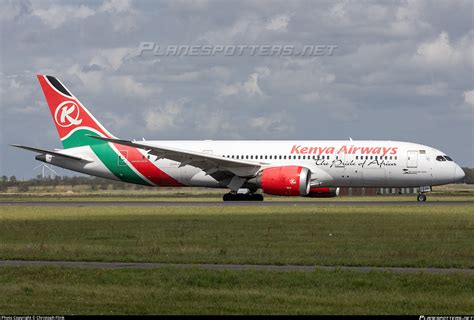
[{"x": 285, "y": 181}]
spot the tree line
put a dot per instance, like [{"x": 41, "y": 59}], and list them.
[{"x": 95, "y": 183}]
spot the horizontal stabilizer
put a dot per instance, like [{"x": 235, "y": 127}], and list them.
[{"x": 53, "y": 153}]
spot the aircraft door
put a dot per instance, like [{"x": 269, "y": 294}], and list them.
[{"x": 412, "y": 159}]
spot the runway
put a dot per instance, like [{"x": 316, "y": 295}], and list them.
[
  {"x": 279, "y": 268},
  {"x": 231, "y": 204}
]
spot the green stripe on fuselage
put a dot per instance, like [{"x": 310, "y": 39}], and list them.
[{"x": 106, "y": 154}]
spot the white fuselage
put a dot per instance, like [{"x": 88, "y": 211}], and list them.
[{"x": 332, "y": 163}]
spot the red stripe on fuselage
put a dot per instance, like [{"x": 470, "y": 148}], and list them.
[{"x": 146, "y": 167}]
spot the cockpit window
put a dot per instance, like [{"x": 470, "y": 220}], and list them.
[
  {"x": 448, "y": 158},
  {"x": 440, "y": 158}
]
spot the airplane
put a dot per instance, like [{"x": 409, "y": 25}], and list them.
[{"x": 285, "y": 168}]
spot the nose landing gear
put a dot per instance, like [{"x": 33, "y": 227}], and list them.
[
  {"x": 421, "y": 197},
  {"x": 421, "y": 193}
]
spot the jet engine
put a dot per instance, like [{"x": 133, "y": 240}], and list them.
[{"x": 284, "y": 181}]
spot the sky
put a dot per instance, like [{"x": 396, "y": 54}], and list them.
[{"x": 400, "y": 70}]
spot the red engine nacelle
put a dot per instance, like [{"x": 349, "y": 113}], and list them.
[
  {"x": 285, "y": 181},
  {"x": 323, "y": 192}
]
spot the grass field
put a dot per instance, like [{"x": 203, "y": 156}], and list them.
[
  {"x": 418, "y": 236},
  {"x": 42, "y": 290}
]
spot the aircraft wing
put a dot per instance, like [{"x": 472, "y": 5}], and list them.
[
  {"x": 207, "y": 162},
  {"x": 53, "y": 153}
]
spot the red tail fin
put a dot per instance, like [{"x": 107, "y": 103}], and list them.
[{"x": 69, "y": 115}]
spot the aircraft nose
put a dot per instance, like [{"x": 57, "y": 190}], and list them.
[{"x": 458, "y": 174}]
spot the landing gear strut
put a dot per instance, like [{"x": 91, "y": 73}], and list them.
[
  {"x": 421, "y": 197},
  {"x": 242, "y": 197}
]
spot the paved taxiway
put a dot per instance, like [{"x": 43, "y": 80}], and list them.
[
  {"x": 229, "y": 204},
  {"x": 284, "y": 268}
]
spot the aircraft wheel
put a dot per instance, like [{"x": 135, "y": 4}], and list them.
[
  {"x": 256, "y": 197},
  {"x": 242, "y": 197},
  {"x": 229, "y": 197},
  {"x": 421, "y": 197}
]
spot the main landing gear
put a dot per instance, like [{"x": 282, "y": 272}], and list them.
[
  {"x": 242, "y": 197},
  {"x": 421, "y": 197}
]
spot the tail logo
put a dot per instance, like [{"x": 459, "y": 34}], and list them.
[{"x": 67, "y": 114}]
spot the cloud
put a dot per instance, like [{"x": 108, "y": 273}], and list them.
[
  {"x": 112, "y": 58},
  {"x": 310, "y": 97},
  {"x": 409, "y": 19},
  {"x": 97, "y": 80},
  {"x": 12, "y": 9},
  {"x": 249, "y": 87},
  {"x": 165, "y": 117},
  {"x": 440, "y": 52},
  {"x": 271, "y": 123},
  {"x": 246, "y": 29},
  {"x": 116, "y": 6},
  {"x": 56, "y": 15},
  {"x": 278, "y": 23},
  {"x": 434, "y": 89},
  {"x": 392, "y": 59},
  {"x": 469, "y": 97},
  {"x": 14, "y": 91},
  {"x": 128, "y": 85}
]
